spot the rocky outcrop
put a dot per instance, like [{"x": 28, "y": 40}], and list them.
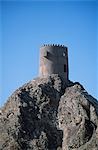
[
  {"x": 47, "y": 114},
  {"x": 77, "y": 115}
]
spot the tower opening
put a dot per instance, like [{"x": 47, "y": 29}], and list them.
[{"x": 64, "y": 67}]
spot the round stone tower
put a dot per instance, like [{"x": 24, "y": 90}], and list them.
[{"x": 54, "y": 60}]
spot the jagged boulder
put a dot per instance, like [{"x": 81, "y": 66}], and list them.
[
  {"x": 47, "y": 114},
  {"x": 78, "y": 119}
]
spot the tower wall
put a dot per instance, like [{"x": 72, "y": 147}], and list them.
[{"x": 54, "y": 60}]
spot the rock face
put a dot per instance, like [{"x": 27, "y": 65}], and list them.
[{"x": 46, "y": 114}]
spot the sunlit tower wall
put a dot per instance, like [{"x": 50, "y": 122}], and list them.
[{"x": 54, "y": 60}]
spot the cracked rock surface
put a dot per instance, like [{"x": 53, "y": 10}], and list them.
[{"x": 47, "y": 114}]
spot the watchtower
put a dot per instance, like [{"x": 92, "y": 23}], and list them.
[{"x": 54, "y": 60}]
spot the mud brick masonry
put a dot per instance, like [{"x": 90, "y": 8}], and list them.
[{"x": 54, "y": 60}]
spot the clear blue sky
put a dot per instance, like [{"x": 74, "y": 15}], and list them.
[{"x": 26, "y": 25}]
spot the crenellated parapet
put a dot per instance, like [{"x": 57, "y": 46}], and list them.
[{"x": 54, "y": 45}]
